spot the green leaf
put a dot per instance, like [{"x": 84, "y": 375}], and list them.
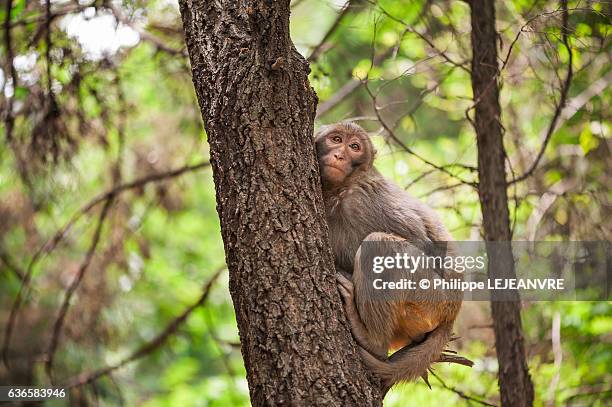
[
  {"x": 588, "y": 141},
  {"x": 21, "y": 92}
]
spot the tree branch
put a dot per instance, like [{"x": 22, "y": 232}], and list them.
[
  {"x": 147, "y": 348},
  {"x": 59, "y": 322},
  {"x": 51, "y": 243}
]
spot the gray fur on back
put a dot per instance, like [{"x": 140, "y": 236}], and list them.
[{"x": 374, "y": 204}]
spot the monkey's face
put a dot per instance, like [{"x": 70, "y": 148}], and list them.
[{"x": 342, "y": 149}]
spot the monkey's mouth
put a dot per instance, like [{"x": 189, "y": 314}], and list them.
[{"x": 337, "y": 168}]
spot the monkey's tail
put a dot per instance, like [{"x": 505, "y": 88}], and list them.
[{"x": 412, "y": 362}]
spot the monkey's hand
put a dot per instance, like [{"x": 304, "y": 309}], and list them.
[{"x": 347, "y": 291}]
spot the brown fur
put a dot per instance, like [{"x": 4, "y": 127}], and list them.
[{"x": 361, "y": 205}]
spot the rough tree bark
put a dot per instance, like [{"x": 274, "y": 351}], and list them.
[
  {"x": 258, "y": 110},
  {"x": 515, "y": 384}
]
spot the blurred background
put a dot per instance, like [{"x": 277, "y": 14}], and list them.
[{"x": 112, "y": 276}]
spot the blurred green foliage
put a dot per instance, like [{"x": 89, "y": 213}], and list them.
[{"x": 114, "y": 111}]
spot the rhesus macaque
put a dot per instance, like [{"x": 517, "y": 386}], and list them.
[{"x": 361, "y": 205}]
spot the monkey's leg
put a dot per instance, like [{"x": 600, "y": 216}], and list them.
[{"x": 360, "y": 332}]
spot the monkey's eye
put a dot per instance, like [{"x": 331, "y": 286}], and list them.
[
  {"x": 355, "y": 147},
  {"x": 337, "y": 139}
]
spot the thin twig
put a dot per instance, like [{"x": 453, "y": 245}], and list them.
[
  {"x": 441, "y": 188},
  {"x": 48, "y": 46},
  {"x": 461, "y": 393},
  {"x": 51, "y": 243},
  {"x": 346, "y": 90},
  {"x": 63, "y": 10},
  {"x": 420, "y": 177},
  {"x": 518, "y": 35},
  {"x": 558, "y": 357},
  {"x": 563, "y": 97},
  {"x": 59, "y": 321},
  {"x": 429, "y": 42},
  {"x": 10, "y": 72},
  {"x": 576, "y": 103},
  {"x": 155, "y": 177},
  {"x": 352, "y": 85},
  {"x": 147, "y": 348},
  {"x": 391, "y": 134},
  {"x": 8, "y": 262},
  {"x": 531, "y": 20},
  {"x": 318, "y": 49},
  {"x": 57, "y": 12},
  {"x": 144, "y": 34},
  {"x": 589, "y": 390}
]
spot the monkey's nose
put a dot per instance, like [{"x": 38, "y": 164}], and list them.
[{"x": 339, "y": 157}]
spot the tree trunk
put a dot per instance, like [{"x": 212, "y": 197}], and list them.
[
  {"x": 514, "y": 381},
  {"x": 258, "y": 110}
]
